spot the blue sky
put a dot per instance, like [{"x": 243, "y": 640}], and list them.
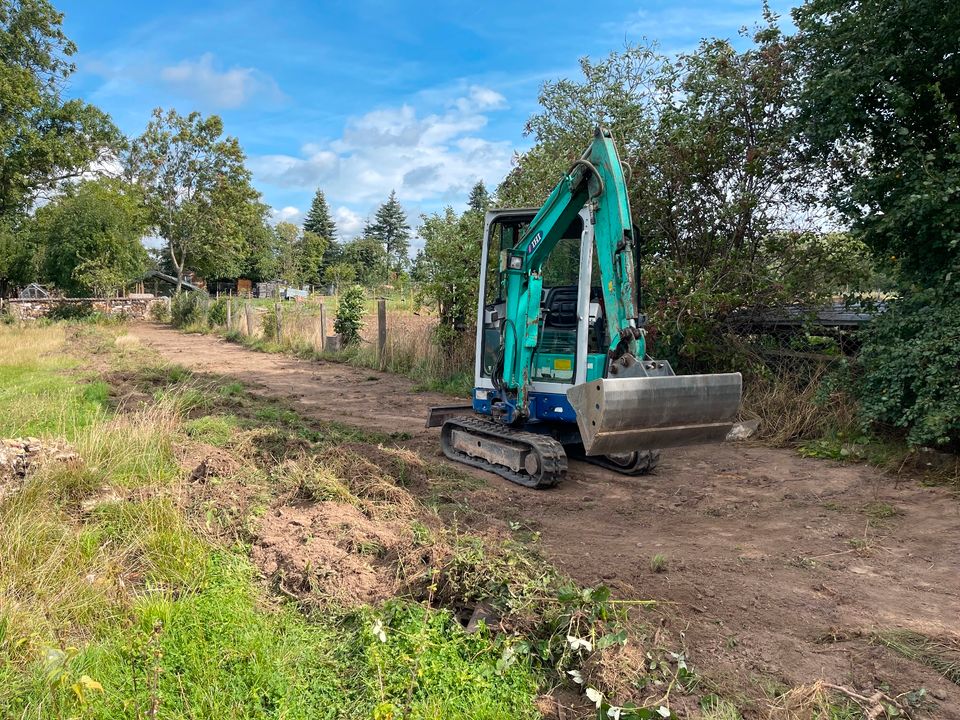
[{"x": 362, "y": 97}]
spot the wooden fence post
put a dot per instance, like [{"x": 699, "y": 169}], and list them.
[
  {"x": 248, "y": 309},
  {"x": 278, "y": 309},
  {"x": 229, "y": 314},
  {"x": 382, "y": 332},
  {"x": 323, "y": 326}
]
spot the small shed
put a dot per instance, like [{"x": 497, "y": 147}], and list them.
[{"x": 33, "y": 291}]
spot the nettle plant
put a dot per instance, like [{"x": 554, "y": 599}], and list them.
[{"x": 562, "y": 631}]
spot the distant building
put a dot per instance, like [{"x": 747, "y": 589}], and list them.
[{"x": 33, "y": 291}]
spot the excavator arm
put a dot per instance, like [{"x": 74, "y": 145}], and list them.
[{"x": 597, "y": 178}]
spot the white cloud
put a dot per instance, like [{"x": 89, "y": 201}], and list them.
[
  {"x": 671, "y": 23},
  {"x": 432, "y": 157},
  {"x": 348, "y": 222},
  {"x": 287, "y": 214},
  {"x": 201, "y": 80},
  {"x": 481, "y": 98}
]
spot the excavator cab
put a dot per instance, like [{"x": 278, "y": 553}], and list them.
[{"x": 555, "y": 359}]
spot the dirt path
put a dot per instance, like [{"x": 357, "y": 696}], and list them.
[{"x": 779, "y": 568}]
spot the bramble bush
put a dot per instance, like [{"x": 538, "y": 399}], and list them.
[{"x": 910, "y": 368}]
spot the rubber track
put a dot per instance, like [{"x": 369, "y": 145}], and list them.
[
  {"x": 647, "y": 460},
  {"x": 553, "y": 459}
]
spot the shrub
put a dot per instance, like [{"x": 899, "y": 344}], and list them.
[
  {"x": 189, "y": 308},
  {"x": 160, "y": 311},
  {"x": 217, "y": 314},
  {"x": 910, "y": 359},
  {"x": 71, "y": 311},
  {"x": 270, "y": 329},
  {"x": 350, "y": 315}
]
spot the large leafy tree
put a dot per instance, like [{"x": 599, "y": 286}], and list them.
[
  {"x": 367, "y": 257},
  {"x": 879, "y": 114},
  {"x": 708, "y": 138},
  {"x": 198, "y": 192},
  {"x": 447, "y": 268},
  {"x": 880, "y": 110},
  {"x": 88, "y": 240},
  {"x": 390, "y": 229},
  {"x": 44, "y": 139}
]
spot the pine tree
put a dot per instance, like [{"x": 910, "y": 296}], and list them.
[
  {"x": 390, "y": 228},
  {"x": 318, "y": 218},
  {"x": 479, "y": 198}
]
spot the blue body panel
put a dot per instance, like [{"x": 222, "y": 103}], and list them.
[{"x": 552, "y": 407}]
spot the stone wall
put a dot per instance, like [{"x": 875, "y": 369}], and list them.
[{"x": 132, "y": 308}]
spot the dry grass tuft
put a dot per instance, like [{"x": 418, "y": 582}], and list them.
[
  {"x": 941, "y": 654},
  {"x": 791, "y": 408},
  {"x": 369, "y": 482}
]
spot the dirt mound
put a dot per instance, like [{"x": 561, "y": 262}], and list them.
[
  {"x": 333, "y": 550},
  {"x": 346, "y": 530},
  {"x": 20, "y": 456},
  {"x": 203, "y": 461}
]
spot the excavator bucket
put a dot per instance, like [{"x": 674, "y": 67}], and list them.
[{"x": 619, "y": 415}]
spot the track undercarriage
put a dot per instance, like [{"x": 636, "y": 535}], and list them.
[{"x": 530, "y": 459}]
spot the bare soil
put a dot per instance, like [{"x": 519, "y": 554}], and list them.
[{"x": 778, "y": 570}]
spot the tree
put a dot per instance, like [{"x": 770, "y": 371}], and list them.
[
  {"x": 391, "y": 230},
  {"x": 289, "y": 259},
  {"x": 339, "y": 274},
  {"x": 879, "y": 116},
  {"x": 368, "y": 258},
  {"x": 479, "y": 198},
  {"x": 89, "y": 238},
  {"x": 447, "y": 268},
  {"x": 318, "y": 218},
  {"x": 312, "y": 248},
  {"x": 721, "y": 210},
  {"x": 879, "y": 109},
  {"x": 197, "y": 190},
  {"x": 258, "y": 260},
  {"x": 44, "y": 140}
]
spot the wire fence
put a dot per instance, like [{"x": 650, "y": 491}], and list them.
[{"x": 395, "y": 339}]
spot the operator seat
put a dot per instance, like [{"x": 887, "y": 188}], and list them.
[{"x": 560, "y": 307}]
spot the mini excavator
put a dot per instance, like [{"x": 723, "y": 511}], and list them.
[{"x": 561, "y": 366}]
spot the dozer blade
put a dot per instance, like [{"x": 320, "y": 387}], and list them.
[{"x": 618, "y": 415}]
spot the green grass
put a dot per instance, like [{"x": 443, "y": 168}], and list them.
[
  {"x": 37, "y": 395},
  {"x": 215, "y": 430},
  {"x": 112, "y": 604},
  {"x": 220, "y": 653}
]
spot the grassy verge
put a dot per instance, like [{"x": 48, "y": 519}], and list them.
[{"x": 116, "y": 601}]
